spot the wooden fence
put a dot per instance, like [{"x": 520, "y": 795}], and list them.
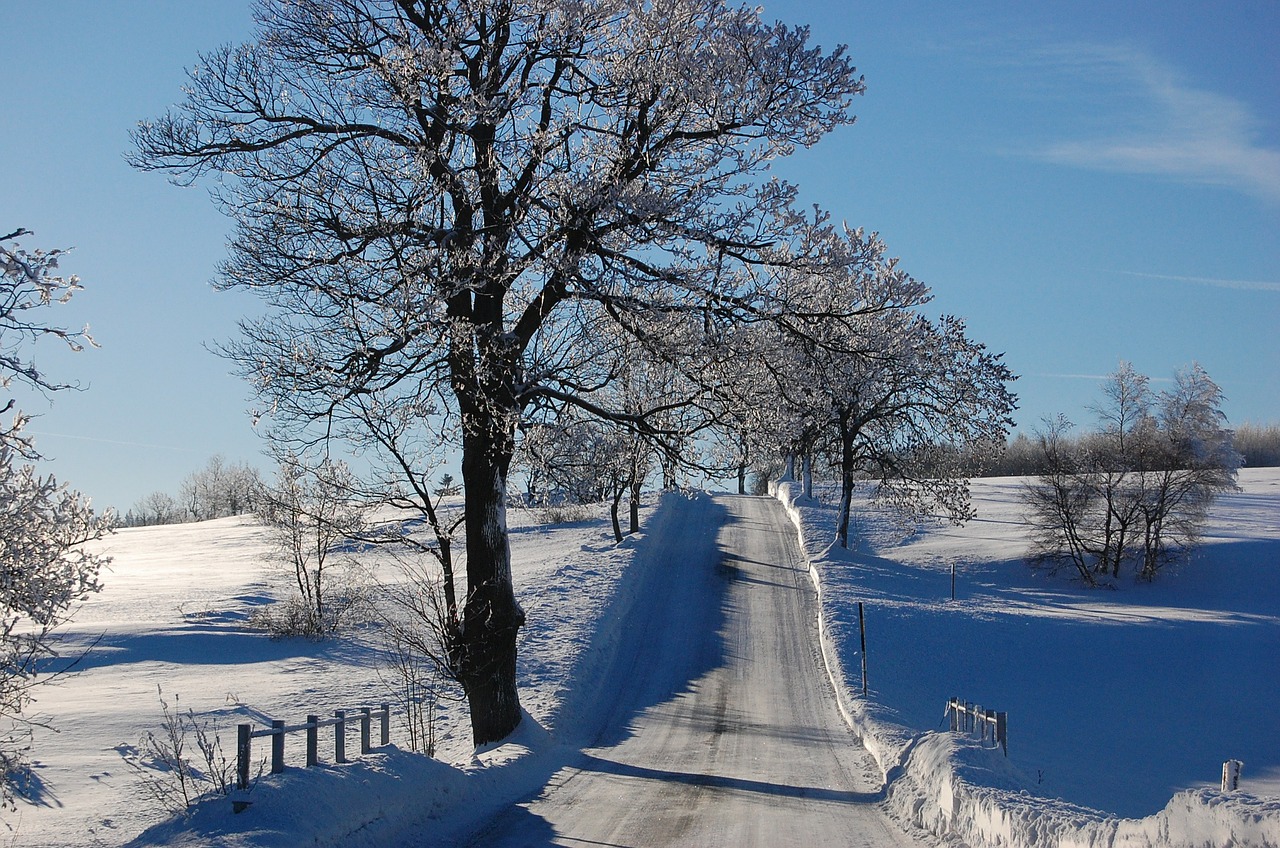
[
  {"x": 970, "y": 718},
  {"x": 278, "y": 730}
]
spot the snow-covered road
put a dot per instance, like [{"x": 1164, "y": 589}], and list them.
[{"x": 718, "y": 726}]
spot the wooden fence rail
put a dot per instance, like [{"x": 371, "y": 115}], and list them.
[
  {"x": 968, "y": 718},
  {"x": 278, "y": 730}
]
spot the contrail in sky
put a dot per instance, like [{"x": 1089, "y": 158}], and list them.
[{"x": 1243, "y": 285}]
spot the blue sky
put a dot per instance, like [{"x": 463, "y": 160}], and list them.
[{"x": 1084, "y": 182}]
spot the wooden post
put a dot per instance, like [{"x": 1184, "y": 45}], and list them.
[
  {"x": 313, "y": 740},
  {"x": 365, "y": 718},
  {"x": 862, "y": 631},
  {"x": 953, "y": 580},
  {"x": 340, "y": 736},
  {"x": 243, "y": 743},
  {"x": 1002, "y": 731},
  {"x": 277, "y": 745},
  {"x": 1231, "y": 775},
  {"x": 386, "y": 725}
]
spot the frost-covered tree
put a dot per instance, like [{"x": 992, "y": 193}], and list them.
[
  {"x": 440, "y": 200},
  {"x": 313, "y": 510},
  {"x": 1137, "y": 490},
  {"x": 220, "y": 489},
  {"x": 44, "y": 570},
  {"x": 909, "y": 414},
  {"x": 156, "y": 508},
  {"x": 887, "y": 394}
]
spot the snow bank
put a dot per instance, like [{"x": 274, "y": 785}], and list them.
[{"x": 951, "y": 786}]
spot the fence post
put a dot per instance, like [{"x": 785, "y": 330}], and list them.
[
  {"x": 862, "y": 634},
  {"x": 313, "y": 740},
  {"x": 1231, "y": 775},
  {"x": 340, "y": 737},
  {"x": 365, "y": 717},
  {"x": 277, "y": 745},
  {"x": 243, "y": 742},
  {"x": 1002, "y": 731},
  {"x": 386, "y": 725}
]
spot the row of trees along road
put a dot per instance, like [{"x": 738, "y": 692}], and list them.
[
  {"x": 470, "y": 218},
  {"x": 43, "y": 570}
]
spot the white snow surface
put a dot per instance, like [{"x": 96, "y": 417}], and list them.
[
  {"x": 174, "y": 614},
  {"x": 1123, "y": 702}
]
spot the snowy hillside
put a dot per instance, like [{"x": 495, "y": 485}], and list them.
[
  {"x": 174, "y": 614},
  {"x": 1117, "y": 698}
]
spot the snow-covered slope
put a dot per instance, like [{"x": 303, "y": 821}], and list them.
[
  {"x": 1117, "y": 699},
  {"x": 174, "y": 618},
  {"x": 1121, "y": 703}
]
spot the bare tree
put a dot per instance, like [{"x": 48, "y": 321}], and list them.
[
  {"x": 441, "y": 198},
  {"x": 313, "y": 512},
  {"x": 887, "y": 394},
  {"x": 44, "y": 570},
  {"x": 220, "y": 489},
  {"x": 156, "y": 508},
  {"x": 1137, "y": 490}
]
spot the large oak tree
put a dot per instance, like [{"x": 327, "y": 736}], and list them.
[{"x": 439, "y": 198}]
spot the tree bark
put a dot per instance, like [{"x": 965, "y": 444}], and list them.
[
  {"x": 846, "y": 483},
  {"x": 491, "y": 617},
  {"x": 613, "y": 512},
  {"x": 635, "y": 505}
]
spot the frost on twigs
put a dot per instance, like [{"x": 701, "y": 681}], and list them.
[
  {"x": 453, "y": 207},
  {"x": 44, "y": 570}
]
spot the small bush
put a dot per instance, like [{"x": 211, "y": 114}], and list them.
[
  {"x": 347, "y": 604},
  {"x": 568, "y": 513},
  {"x": 173, "y": 777}
]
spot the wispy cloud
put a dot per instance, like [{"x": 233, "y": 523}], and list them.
[
  {"x": 112, "y": 441},
  {"x": 1244, "y": 285},
  {"x": 1097, "y": 378},
  {"x": 1069, "y": 376},
  {"x": 1155, "y": 122}
]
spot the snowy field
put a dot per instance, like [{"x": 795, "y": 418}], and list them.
[
  {"x": 174, "y": 614},
  {"x": 1117, "y": 698}
]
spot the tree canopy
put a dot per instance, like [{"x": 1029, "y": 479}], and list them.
[{"x": 441, "y": 200}]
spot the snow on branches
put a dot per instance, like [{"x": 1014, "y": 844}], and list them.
[{"x": 44, "y": 570}]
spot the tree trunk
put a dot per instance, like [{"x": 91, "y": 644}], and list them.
[
  {"x": 491, "y": 618},
  {"x": 807, "y": 472},
  {"x": 742, "y": 479},
  {"x": 635, "y": 505},
  {"x": 618, "y": 491},
  {"x": 846, "y": 484}
]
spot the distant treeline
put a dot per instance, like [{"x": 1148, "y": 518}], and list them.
[
  {"x": 1259, "y": 444},
  {"x": 218, "y": 490}
]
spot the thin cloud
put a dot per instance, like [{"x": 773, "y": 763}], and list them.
[
  {"x": 1176, "y": 130},
  {"x": 1097, "y": 378},
  {"x": 1242, "y": 285},
  {"x": 1070, "y": 376}
]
